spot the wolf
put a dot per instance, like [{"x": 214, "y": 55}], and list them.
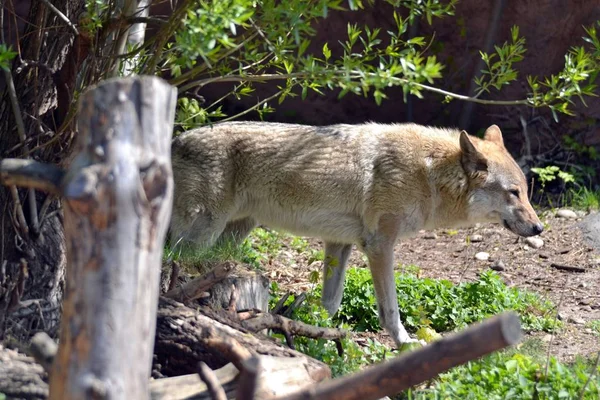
[{"x": 367, "y": 185}]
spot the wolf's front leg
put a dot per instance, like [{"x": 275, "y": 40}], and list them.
[{"x": 381, "y": 263}]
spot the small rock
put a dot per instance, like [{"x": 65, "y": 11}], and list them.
[
  {"x": 476, "y": 238},
  {"x": 563, "y": 250},
  {"x": 582, "y": 285},
  {"x": 547, "y": 338},
  {"x": 482, "y": 256},
  {"x": 585, "y": 302},
  {"x": 564, "y": 213},
  {"x": 560, "y": 316},
  {"x": 534, "y": 242},
  {"x": 576, "y": 320},
  {"x": 430, "y": 235},
  {"x": 498, "y": 265},
  {"x": 545, "y": 256},
  {"x": 586, "y": 308}
]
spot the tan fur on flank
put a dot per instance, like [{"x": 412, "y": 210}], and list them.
[{"x": 366, "y": 184}]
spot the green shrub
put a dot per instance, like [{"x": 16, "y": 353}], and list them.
[
  {"x": 513, "y": 376},
  {"x": 442, "y": 305}
]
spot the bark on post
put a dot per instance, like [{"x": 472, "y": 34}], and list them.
[{"x": 117, "y": 201}]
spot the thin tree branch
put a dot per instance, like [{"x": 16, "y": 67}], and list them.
[
  {"x": 304, "y": 75},
  {"x": 31, "y": 174},
  {"x": 61, "y": 16}
]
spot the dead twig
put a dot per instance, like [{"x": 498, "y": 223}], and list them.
[
  {"x": 213, "y": 385},
  {"x": 567, "y": 268},
  {"x": 235, "y": 294},
  {"x": 248, "y": 379},
  {"x": 61, "y": 16},
  {"x": 286, "y": 325},
  {"x": 196, "y": 287},
  {"x": 174, "y": 276},
  {"x": 230, "y": 348}
]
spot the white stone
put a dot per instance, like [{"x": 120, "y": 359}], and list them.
[
  {"x": 482, "y": 256},
  {"x": 476, "y": 238},
  {"x": 534, "y": 242},
  {"x": 564, "y": 213}
]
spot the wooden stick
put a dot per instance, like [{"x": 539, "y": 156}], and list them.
[
  {"x": 270, "y": 321},
  {"x": 248, "y": 379},
  {"x": 31, "y": 174},
  {"x": 407, "y": 370},
  {"x": 567, "y": 268},
  {"x": 213, "y": 385},
  {"x": 197, "y": 286}
]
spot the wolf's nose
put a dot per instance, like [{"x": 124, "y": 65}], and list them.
[{"x": 538, "y": 228}]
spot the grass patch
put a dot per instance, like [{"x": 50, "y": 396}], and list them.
[
  {"x": 584, "y": 199},
  {"x": 354, "y": 357},
  {"x": 441, "y": 304},
  {"x": 594, "y": 326},
  {"x": 514, "y": 375},
  {"x": 423, "y": 302},
  {"x": 260, "y": 246}
]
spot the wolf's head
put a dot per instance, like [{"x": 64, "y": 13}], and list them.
[{"x": 497, "y": 186}]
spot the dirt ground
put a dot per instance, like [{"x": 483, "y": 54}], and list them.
[{"x": 450, "y": 254}]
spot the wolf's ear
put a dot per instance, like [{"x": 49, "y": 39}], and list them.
[
  {"x": 494, "y": 135},
  {"x": 472, "y": 160}
]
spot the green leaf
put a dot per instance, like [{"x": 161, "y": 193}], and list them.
[{"x": 326, "y": 52}]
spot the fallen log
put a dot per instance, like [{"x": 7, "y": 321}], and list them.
[{"x": 185, "y": 337}]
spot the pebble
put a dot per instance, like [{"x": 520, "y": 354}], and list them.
[
  {"x": 476, "y": 238},
  {"x": 430, "y": 235},
  {"x": 576, "y": 320},
  {"x": 544, "y": 256},
  {"x": 498, "y": 265},
  {"x": 482, "y": 256},
  {"x": 547, "y": 338},
  {"x": 564, "y": 213},
  {"x": 534, "y": 242},
  {"x": 585, "y": 302}
]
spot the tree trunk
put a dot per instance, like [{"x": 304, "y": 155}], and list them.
[{"x": 117, "y": 196}]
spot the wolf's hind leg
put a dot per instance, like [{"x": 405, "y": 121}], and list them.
[
  {"x": 236, "y": 231},
  {"x": 334, "y": 272}
]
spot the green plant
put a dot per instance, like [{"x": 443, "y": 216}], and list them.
[
  {"x": 584, "y": 198},
  {"x": 594, "y": 326},
  {"x": 354, "y": 356},
  {"x": 442, "y": 305},
  {"x": 510, "y": 375},
  {"x": 551, "y": 172}
]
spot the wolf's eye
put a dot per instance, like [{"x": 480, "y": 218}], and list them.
[{"x": 514, "y": 192}]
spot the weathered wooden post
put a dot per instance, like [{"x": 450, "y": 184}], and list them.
[{"x": 117, "y": 196}]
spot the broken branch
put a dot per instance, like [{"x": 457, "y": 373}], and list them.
[
  {"x": 212, "y": 382},
  {"x": 31, "y": 174},
  {"x": 196, "y": 287},
  {"x": 270, "y": 321}
]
